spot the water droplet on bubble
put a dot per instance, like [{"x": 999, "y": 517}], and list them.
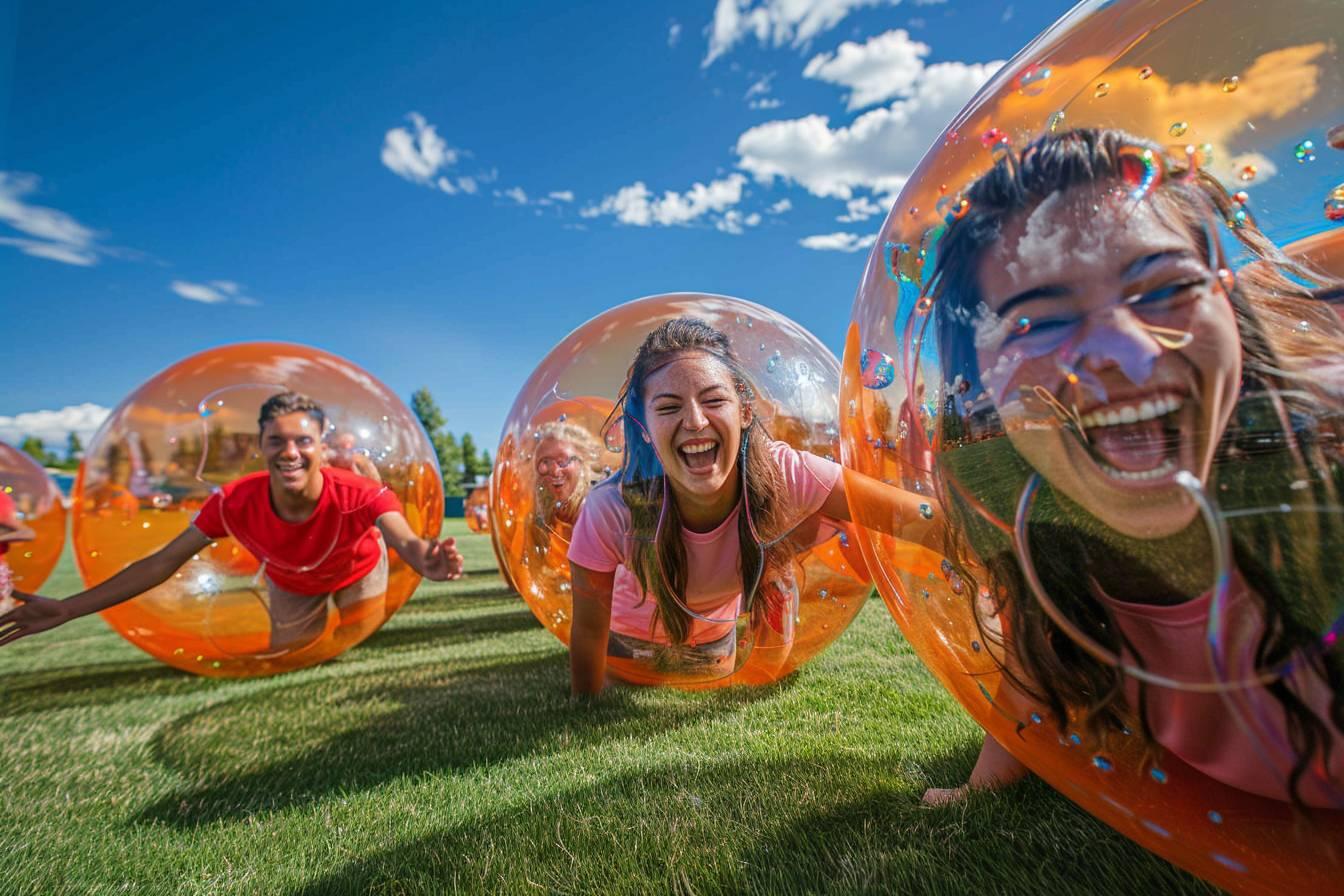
[
  {"x": 1102, "y": 89},
  {"x": 1215, "y": 816},
  {"x": 1145, "y": 73},
  {"x": 1334, "y": 204},
  {"x": 1036, "y": 718},
  {"x": 1335, "y": 136},
  {"x": 876, "y": 369},
  {"x": 1158, "y": 775},
  {"x": 1103, "y": 763},
  {"x": 1055, "y": 121},
  {"x": 844, "y": 540},
  {"x": 1248, "y": 173},
  {"x": 926, "y": 511},
  {"x": 1304, "y": 326},
  {"x": 1231, "y": 84},
  {"x": 975, "y": 645},
  {"x": 1241, "y": 197},
  {"x": 1305, "y": 151},
  {"x": 1022, "y": 327},
  {"x": 562, "y": 418},
  {"x": 1178, "y": 128},
  {"x": 993, "y": 137},
  {"x": 853, "y": 407},
  {"x": 1075, "y": 739}
]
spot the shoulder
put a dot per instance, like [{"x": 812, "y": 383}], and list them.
[
  {"x": 350, "y": 482},
  {"x": 604, "y": 500},
  {"x": 799, "y": 466}
]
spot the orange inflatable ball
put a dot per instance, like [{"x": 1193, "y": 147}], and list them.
[
  {"x": 1078, "y": 331},
  {"x": 477, "y": 507},
  {"x": 37, "y": 506},
  {"x": 561, "y": 437},
  {"x": 189, "y": 430}
]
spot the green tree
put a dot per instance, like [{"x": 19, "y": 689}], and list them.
[
  {"x": 33, "y": 447},
  {"x": 74, "y": 450},
  {"x": 486, "y": 463},
  {"x": 445, "y": 446},
  {"x": 471, "y": 461}
]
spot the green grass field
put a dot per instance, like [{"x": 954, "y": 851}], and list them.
[{"x": 443, "y": 755}]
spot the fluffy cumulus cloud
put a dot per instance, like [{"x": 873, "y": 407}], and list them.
[
  {"x": 877, "y": 151},
  {"x": 637, "y": 205},
  {"x": 43, "y": 232},
  {"x": 886, "y": 66},
  {"x": 776, "y": 22},
  {"x": 673, "y": 33},
  {"x": 216, "y": 292},
  {"x": 418, "y": 154},
  {"x": 52, "y": 427},
  {"x": 837, "y": 242}
]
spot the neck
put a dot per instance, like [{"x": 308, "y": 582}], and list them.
[
  {"x": 295, "y": 507},
  {"x": 705, "y": 513}
]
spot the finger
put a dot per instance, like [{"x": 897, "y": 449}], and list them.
[{"x": 13, "y": 634}]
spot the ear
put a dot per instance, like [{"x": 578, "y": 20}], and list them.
[{"x": 748, "y": 414}]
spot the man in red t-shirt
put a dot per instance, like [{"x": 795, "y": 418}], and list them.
[{"x": 316, "y": 529}]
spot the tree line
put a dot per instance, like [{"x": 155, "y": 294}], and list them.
[{"x": 461, "y": 462}]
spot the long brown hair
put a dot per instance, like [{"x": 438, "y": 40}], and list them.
[
  {"x": 658, "y": 555},
  {"x": 1281, "y": 450}
]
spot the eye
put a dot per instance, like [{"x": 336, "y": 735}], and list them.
[
  {"x": 1169, "y": 292},
  {"x": 667, "y": 409}
]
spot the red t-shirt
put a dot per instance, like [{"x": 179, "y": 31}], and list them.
[{"x": 334, "y": 547}]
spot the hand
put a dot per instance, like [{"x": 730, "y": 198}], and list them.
[
  {"x": 36, "y": 614},
  {"x": 945, "y": 796},
  {"x": 442, "y": 561}
]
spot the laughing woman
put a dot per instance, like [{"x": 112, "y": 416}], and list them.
[{"x": 701, "y": 525}]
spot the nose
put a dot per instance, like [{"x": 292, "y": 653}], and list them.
[
  {"x": 1116, "y": 337},
  {"x": 695, "y": 418}
]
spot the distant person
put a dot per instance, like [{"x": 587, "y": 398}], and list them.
[
  {"x": 343, "y": 453},
  {"x": 12, "y": 530},
  {"x": 316, "y": 528}
]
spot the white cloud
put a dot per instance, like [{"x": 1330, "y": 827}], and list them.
[
  {"x": 561, "y": 195},
  {"x": 733, "y": 221},
  {"x": 876, "y": 152},
  {"x": 759, "y": 87},
  {"x": 860, "y": 208},
  {"x": 52, "y": 427},
  {"x": 775, "y": 22},
  {"x": 48, "y": 232},
  {"x": 780, "y": 207},
  {"x": 768, "y": 102},
  {"x": 673, "y": 33},
  {"x": 419, "y": 154},
  {"x": 216, "y": 292},
  {"x": 636, "y": 205},
  {"x": 514, "y": 193},
  {"x": 888, "y": 65},
  {"x": 837, "y": 242}
]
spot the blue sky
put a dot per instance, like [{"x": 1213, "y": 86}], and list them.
[{"x": 441, "y": 192}]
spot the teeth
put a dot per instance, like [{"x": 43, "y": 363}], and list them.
[
  {"x": 698, "y": 449},
  {"x": 1166, "y": 468},
  {"x": 1145, "y": 410}
]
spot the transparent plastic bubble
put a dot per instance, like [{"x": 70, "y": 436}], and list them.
[
  {"x": 1123, "y": 457},
  {"x": 477, "y": 508},
  {"x": 192, "y": 428},
  {"x": 37, "y": 504},
  {"x": 544, "y": 470}
]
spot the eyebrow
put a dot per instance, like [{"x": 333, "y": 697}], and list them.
[
  {"x": 660, "y": 395},
  {"x": 1135, "y": 269}
]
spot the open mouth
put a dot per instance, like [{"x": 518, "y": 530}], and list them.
[
  {"x": 291, "y": 470},
  {"x": 699, "y": 455},
  {"x": 1137, "y": 440}
]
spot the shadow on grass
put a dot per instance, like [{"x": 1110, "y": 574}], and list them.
[
  {"x": 95, "y": 684},
  {"x": 453, "y": 631},
  {"x": 300, "y": 745},
  {"x": 717, "y": 828}
]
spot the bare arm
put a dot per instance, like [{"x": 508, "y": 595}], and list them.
[
  {"x": 22, "y": 533},
  {"x": 435, "y": 560},
  {"x": 590, "y": 628},
  {"x": 37, "y": 614},
  {"x": 892, "y": 510}
]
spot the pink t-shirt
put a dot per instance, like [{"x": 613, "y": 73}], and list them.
[
  {"x": 601, "y": 542},
  {"x": 1202, "y": 728}
]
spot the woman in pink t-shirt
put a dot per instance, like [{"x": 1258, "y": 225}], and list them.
[
  {"x": 700, "y": 526},
  {"x": 1158, "y": 518}
]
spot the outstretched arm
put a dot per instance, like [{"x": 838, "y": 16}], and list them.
[
  {"x": 18, "y": 533},
  {"x": 892, "y": 510},
  {"x": 437, "y": 561},
  {"x": 591, "y": 591},
  {"x": 37, "y": 613}
]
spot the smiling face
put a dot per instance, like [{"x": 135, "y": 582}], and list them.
[
  {"x": 558, "y": 467},
  {"x": 1111, "y": 353},
  {"x": 291, "y": 445},
  {"x": 695, "y": 418}
]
